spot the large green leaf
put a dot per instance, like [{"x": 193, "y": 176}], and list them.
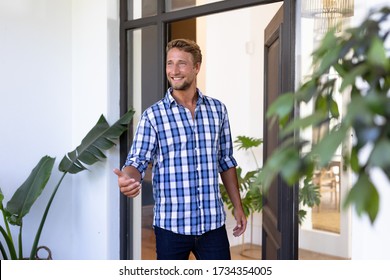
[
  {"x": 380, "y": 155},
  {"x": 24, "y": 197},
  {"x": 328, "y": 145},
  {"x": 377, "y": 53},
  {"x": 365, "y": 197},
  {"x": 100, "y": 137},
  {"x": 303, "y": 123}
]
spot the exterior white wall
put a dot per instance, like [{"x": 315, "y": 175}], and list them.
[
  {"x": 59, "y": 73},
  {"x": 95, "y": 91}
]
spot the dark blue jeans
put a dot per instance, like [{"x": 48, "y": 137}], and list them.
[{"x": 212, "y": 245}]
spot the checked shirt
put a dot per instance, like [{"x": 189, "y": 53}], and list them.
[{"x": 187, "y": 154}]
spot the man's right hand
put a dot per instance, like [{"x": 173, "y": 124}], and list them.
[{"x": 127, "y": 185}]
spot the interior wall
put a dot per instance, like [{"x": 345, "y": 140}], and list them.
[{"x": 232, "y": 71}]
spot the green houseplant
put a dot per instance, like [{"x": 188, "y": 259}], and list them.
[
  {"x": 251, "y": 189},
  {"x": 101, "y": 137},
  {"x": 252, "y": 198},
  {"x": 361, "y": 60}
]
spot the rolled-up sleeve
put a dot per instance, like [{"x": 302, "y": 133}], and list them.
[
  {"x": 226, "y": 159},
  {"x": 143, "y": 146}
]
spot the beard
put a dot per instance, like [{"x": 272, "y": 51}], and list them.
[
  {"x": 180, "y": 86},
  {"x": 183, "y": 86}
]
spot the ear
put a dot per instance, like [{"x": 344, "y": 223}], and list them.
[{"x": 197, "y": 67}]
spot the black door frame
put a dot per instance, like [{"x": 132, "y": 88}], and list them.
[{"x": 160, "y": 20}]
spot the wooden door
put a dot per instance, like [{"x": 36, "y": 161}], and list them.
[{"x": 280, "y": 225}]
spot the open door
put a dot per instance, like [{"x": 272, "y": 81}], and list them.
[{"x": 280, "y": 223}]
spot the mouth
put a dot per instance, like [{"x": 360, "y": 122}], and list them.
[{"x": 177, "y": 78}]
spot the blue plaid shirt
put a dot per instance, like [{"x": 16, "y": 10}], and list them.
[{"x": 187, "y": 156}]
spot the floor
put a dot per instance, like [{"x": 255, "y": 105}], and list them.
[
  {"x": 326, "y": 216},
  {"x": 241, "y": 252}
]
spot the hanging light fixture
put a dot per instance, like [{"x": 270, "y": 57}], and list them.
[
  {"x": 312, "y": 8},
  {"x": 327, "y": 14}
]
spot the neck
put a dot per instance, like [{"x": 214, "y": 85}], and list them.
[{"x": 185, "y": 97}]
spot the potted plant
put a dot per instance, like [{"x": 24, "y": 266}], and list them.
[
  {"x": 361, "y": 60},
  {"x": 100, "y": 138},
  {"x": 252, "y": 199}
]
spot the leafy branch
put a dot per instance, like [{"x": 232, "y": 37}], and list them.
[{"x": 362, "y": 63}]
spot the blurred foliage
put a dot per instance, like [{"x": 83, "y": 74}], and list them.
[
  {"x": 252, "y": 191},
  {"x": 360, "y": 59}
]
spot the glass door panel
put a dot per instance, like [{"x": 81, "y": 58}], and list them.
[
  {"x": 174, "y": 5},
  {"x": 326, "y": 227},
  {"x": 142, "y": 92},
  {"x": 141, "y": 8}
]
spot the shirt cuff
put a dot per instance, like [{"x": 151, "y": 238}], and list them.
[{"x": 226, "y": 163}]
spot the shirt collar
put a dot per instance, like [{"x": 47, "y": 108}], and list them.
[{"x": 169, "y": 100}]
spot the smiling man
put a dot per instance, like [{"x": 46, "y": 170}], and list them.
[{"x": 187, "y": 137}]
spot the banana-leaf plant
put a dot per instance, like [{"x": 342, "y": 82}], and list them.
[
  {"x": 91, "y": 150},
  {"x": 361, "y": 60}
]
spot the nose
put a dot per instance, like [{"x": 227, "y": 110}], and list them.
[{"x": 175, "y": 68}]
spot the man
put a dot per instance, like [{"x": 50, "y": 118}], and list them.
[{"x": 187, "y": 137}]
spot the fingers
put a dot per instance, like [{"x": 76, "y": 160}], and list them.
[
  {"x": 131, "y": 190},
  {"x": 118, "y": 172},
  {"x": 128, "y": 186},
  {"x": 240, "y": 227},
  {"x": 238, "y": 230}
]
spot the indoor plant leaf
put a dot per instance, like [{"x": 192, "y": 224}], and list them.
[
  {"x": 281, "y": 108},
  {"x": 99, "y": 138},
  {"x": 24, "y": 197},
  {"x": 365, "y": 197},
  {"x": 326, "y": 148},
  {"x": 245, "y": 142}
]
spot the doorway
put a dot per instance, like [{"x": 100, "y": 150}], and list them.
[
  {"x": 235, "y": 55},
  {"x": 145, "y": 30}
]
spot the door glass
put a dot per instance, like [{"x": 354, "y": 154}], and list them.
[
  {"x": 141, "y": 8},
  {"x": 146, "y": 8},
  {"x": 142, "y": 57},
  {"x": 313, "y": 24},
  {"x": 174, "y": 5}
]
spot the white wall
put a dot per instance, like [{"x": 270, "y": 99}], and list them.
[
  {"x": 95, "y": 91},
  {"x": 59, "y": 72}
]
